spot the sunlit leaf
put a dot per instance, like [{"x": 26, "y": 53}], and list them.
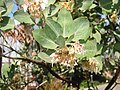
[
  {"x": 99, "y": 65},
  {"x": 97, "y": 36},
  {"x": 86, "y": 4},
  {"x": 50, "y": 2},
  {"x": 9, "y": 6},
  {"x": 43, "y": 40},
  {"x": 45, "y": 57},
  {"x": 90, "y": 48},
  {"x": 22, "y": 16},
  {"x": 46, "y": 12},
  {"x": 81, "y": 29},
  {"x": 1, "y": 3},
  {"x": 5, "y": 69},
  {"x": 115, "y": 1},
  {"x": 54, "y": 26},
  {"x": 66, "y": 21}
]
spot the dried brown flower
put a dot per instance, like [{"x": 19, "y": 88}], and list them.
[
  {"x": 90, "y": 65},
  {"x": 22, "y": 33},
  {"x": 66, "y": 56}
]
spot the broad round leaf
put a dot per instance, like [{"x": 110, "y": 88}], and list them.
[
  {"x": 90, "y": 50},
  {"x": 22, "y": 16},
  {"x": 42, "y": 39},
  {"x": 66, "y": 21},
  {"x": 49, "y": 33},
  {"x": 54, "y": 26},
  {"x": 81, "y": 29}
]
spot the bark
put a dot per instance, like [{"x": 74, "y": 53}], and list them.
[
  {"x": 0, "y": 63},
  {"x": 113, "y": 80}
]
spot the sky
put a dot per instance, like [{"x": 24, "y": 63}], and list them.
[
  {"x": 14, "y": 9},
  {"x": 15, "y": 44}
]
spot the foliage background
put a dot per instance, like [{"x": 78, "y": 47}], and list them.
[{"x": 71, "y": 40}]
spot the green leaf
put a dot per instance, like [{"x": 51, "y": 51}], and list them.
[
  {"x": 57, "y": 8},
  {"x": 45, "y": 57},
  {"x": 97, "y": 36},
  {"x": 117, "y": 46},
  {"x": 90, "y": 49},
  {"x": 20, "y": 2},
  {"x": 117, "y": 54},
  {"x": 66, "y": 21},
  {"x": 86, "y": 4},
  {"x": 50, "y": 2},
  {"x": 60, "y": 41},
  {"x": 116, "y": 4},
  {"x": 49, "y": 33},
  {"x": 82, "y": 29},
  {"x": 22, "y": 16},
  {"x": 54, "y": 26},
  {"x": 46, "y": 12},
  {"x": 70, "y": 39},
  {"x": 5, "y": 69},
  {"x": 99, "y": 49},
  {"x": 106, "y": 4},
  {"x": 99, "y": 65},
  {"x": 1, "y": 3},
  {"x": 9, "y": 6},
  {"x": 7, "y": 23},
  {"x": 112, "y": 62},
  {"x": 2, "y": 9},
  {"x": 115, "y": 1},
  {"x": 92, "y": 6},
  {"x": 42, "y": 39}
]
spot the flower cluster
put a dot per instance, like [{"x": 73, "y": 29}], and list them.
[
  {"x": 114, "y": 17},
  {"x": 78, "y": 48},
  {"x": 21, "y": 33},
  {"x": 35, "y": 7},
  {"x": 66, "y": 56},
  {"x": 90, "y": 65},
  {"x": 66, "y": 5}
]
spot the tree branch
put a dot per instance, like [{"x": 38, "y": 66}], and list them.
[
  {"x": 0, "y": 62},
  {"x": 39, "y": 63},
  {"x": 113, "y": 80}
]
